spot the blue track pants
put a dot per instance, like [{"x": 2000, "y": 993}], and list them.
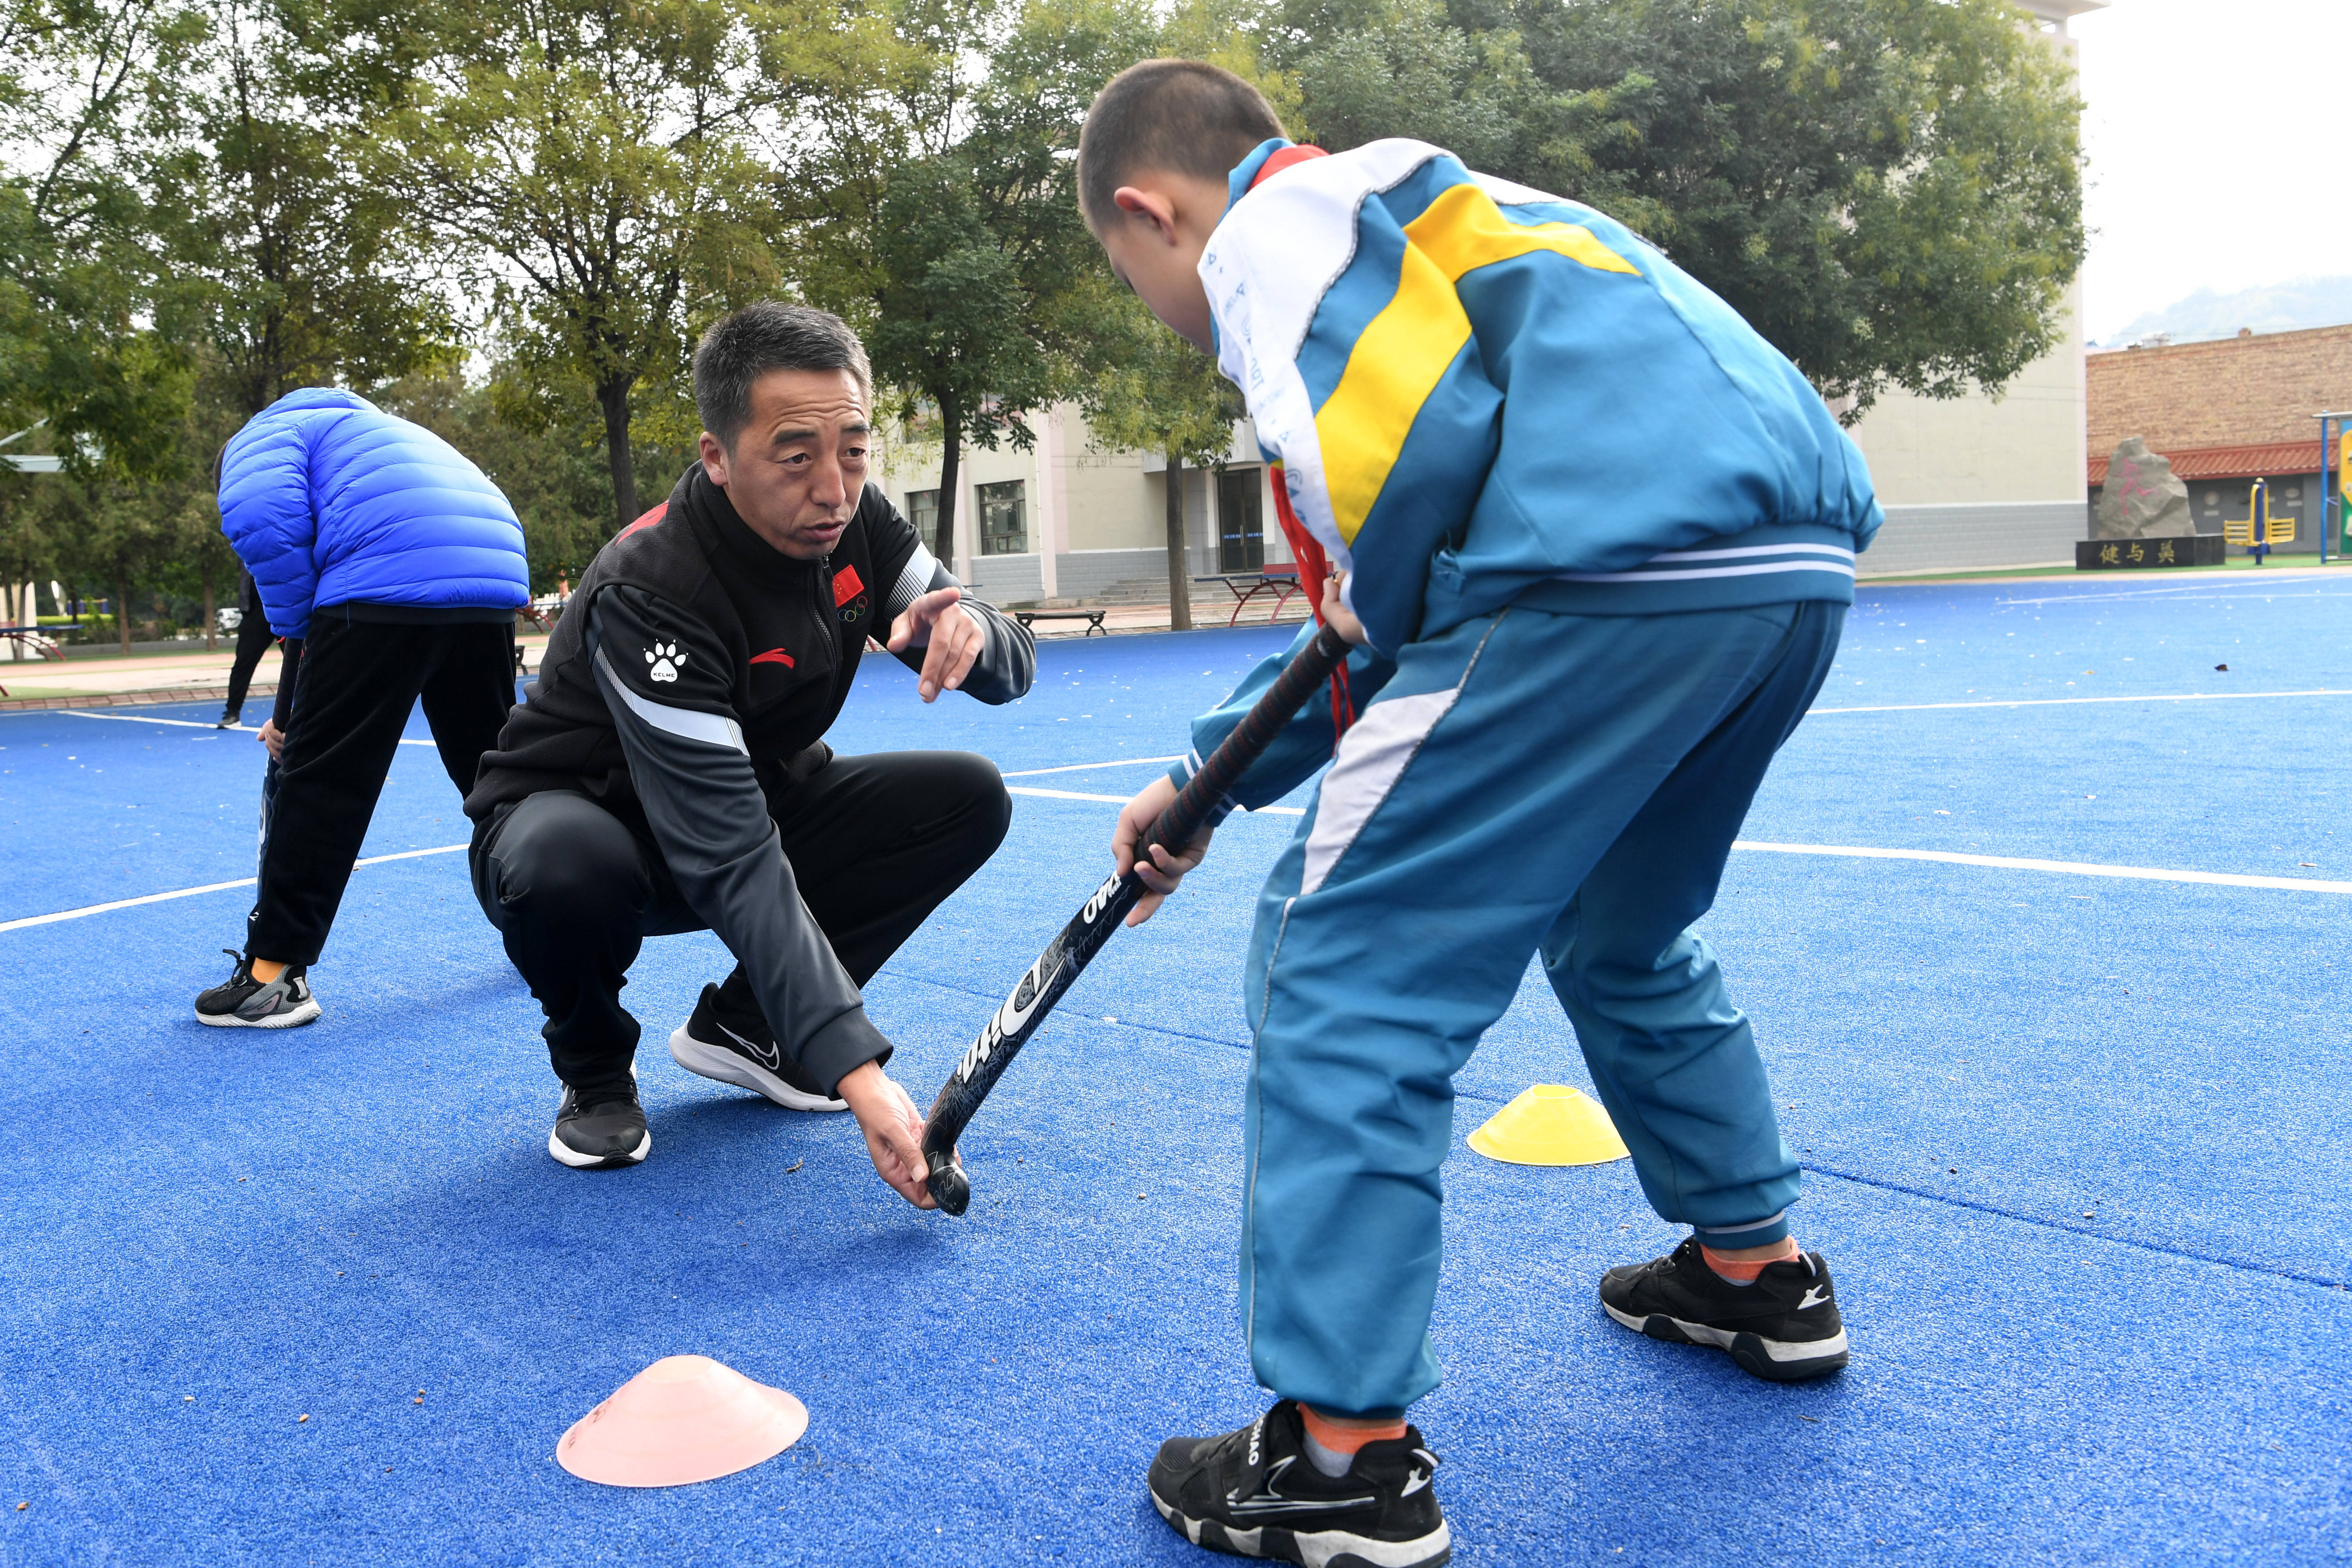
[{"x": 1529, "y": 781}]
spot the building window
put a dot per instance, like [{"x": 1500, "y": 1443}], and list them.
[
  {"x": 1241, "y": 521},
  {"x": 923, "y": 511},
  {"x": 1003, "y": 519}
]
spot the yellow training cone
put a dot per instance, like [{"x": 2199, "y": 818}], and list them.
[{"x": 1550, "y": 1124}]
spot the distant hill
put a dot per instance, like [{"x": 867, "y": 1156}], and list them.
[{"x": 2279, "y": 308}]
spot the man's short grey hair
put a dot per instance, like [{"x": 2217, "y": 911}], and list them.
[{"x": 738, "y": 348}]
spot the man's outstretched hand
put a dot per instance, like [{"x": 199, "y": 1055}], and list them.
[
  {"x": 1166, "y": 867},
  {"x": 946, "y": 632},
  {"x": 894, "y": 1133}
]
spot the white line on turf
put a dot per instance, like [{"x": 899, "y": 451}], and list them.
[
  {"x": 1122, "y": 800},
  {"x": 2072, "y": 702},
  {"x": 2069, "y": 868},
  {"x": 180, "y": 723},
  {"x": 1847, "y": 851},
  {"x": 207, "y": 887},
  {"x": 1998, "y": 862},
  {"x": 1082, "y": 767}
]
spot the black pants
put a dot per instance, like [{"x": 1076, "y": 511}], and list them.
[
  {"x": 253, "y": 640},
  {"x": 876, "y": 845},
  {"x": 358, "y": 681}
]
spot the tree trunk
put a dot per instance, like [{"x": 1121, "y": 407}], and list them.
[
  {"x": 122, "y": 610},
  {"x": 1180, "y": 579},
  {"x": 613, "y": 397},
  {"x": 212, "y": 621},
  {"x": 950, "y": 465}
]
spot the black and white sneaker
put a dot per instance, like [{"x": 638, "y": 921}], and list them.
[
  {"x": 1254, "y": 1493},
  {"x": 604, "y": 1136},
  {"x": 244, "y": 1003},
  {"x": 1785, "y": 1328},
  {"x": 230, "y": 722},
  {"x": 743, "y": 1052}
]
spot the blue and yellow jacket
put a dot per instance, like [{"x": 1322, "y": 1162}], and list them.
[{"x": 1479, "y": 394}]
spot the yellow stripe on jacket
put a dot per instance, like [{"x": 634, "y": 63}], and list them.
[{"x": 1404, "y": 352}]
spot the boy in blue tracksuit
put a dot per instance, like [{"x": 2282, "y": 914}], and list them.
[
  {"x": 398, "y": 567},
  {"x": 1595, "y": 539}
]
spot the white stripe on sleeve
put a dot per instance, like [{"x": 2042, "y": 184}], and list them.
[
  {"x": 912, "y": 584},
  {"x": 687, "y": 723}
]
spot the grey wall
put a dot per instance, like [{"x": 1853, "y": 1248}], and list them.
[
  {"x": 1007, "y": 579},
  {"x": 2212, "y": 502},
  {"x": 1976, "y": 536},
  {"x": 2216, "y": 501},
  {"x": 1086, "y": 574}
]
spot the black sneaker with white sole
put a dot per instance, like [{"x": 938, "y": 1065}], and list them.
[
  {"x": 1785, "y": 1328},
  {"x": 241, "y": 1001},
  {"x": 1254, "y": 1493},
  {"x": 743, "y": 1052},
  {"x": 601, "y": 1136}
]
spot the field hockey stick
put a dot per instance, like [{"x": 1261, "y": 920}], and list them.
[{"x": 1067, "y": 956}]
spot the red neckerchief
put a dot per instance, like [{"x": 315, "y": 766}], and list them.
[{"x": 1314, "y": 567}]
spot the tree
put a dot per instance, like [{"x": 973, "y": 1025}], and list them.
[
  {"x": 90, "y": 327},
  {"x": 592, "y": 167},
  {"x": 542, "y": 442},
  {"x": 1161, "y": 394},
  {"x": 1889, "y": 190},
  {"x": 943, "y": 214},
  {"x": 308, "y": 273}
]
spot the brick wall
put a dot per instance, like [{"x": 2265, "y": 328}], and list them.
[{"x": 2233, "y": 392}]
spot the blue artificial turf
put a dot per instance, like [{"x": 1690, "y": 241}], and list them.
[{"x": 2075, "y": 1149}]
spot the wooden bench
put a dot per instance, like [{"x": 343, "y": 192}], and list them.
[
  {"x": 1094, "y": 618},
  {"x": 1280, "y": 579}
]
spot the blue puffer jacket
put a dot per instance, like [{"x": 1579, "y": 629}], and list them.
[{"x": 330, "y": 501}]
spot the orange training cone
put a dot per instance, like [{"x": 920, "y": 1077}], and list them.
[
  {"x": 1550, "y": 1125},
  {"x": 685, "y": 1418}
]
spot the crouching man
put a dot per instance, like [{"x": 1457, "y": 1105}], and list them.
[{"x": 667, "y": 771}]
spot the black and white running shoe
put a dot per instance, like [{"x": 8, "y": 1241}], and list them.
[
  {"x": 1254, "y": 1493},
  {"x": 230, "y": 722},
  {"x": 1785, "y": 1328},
  {"x": 604, "y": 1136},
  {"x": 244, "y": 1003},
  {"x": 743, "y": 1052}
]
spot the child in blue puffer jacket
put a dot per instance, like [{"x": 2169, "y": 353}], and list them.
[{"x": 400, "y": 567}]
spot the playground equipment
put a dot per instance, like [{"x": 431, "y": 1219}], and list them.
[{"x": 2258, "y": 530}]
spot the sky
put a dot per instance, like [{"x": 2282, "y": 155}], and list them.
[{"x": 2207, "y": 132}]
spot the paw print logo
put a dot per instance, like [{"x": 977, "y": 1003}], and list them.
[{"x": 664, "y": 660}]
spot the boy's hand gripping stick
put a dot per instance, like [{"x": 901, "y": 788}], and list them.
[{"x": 1067, "y": 956}]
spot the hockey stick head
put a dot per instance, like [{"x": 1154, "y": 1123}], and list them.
[{"x": 948, "y": 1188}]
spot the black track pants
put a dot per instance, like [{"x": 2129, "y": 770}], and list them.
[
  {"x": 253, "y": 640},
  {"x": 875, "y": 844},
  {"x": 358, "y": 682}
]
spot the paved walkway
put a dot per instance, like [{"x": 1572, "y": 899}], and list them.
[{"x": 84, "y": 680}]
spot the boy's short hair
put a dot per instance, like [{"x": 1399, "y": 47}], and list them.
[
  {"x": 1185, "y": 117},
  {"x": 738, "y": 348}
]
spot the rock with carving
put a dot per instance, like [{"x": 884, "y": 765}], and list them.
[{"x": 2142, "y": 498}]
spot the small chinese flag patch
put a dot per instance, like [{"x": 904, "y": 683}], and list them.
[{"x": 846, "y": 586}]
